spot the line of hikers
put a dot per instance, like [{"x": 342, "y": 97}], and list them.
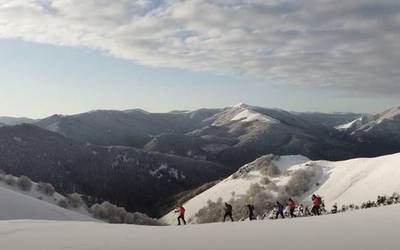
[
  {"x": 318, "y": 208},
  {"x": 279, "y": 210}
]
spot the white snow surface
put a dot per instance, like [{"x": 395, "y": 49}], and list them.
[
  {"x": 242, "y": 113},
  {"x": 352, "y": 124},
  {"x": 17, "y": 204},
  {"x": 342, "y": 182},
  {"x": 369, "y": 229},
  {"x": 249, "y": 116}
]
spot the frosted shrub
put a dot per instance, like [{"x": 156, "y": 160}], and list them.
[
  {"x": 263, "y": 162},
  {"x": 140, "y": 219},
  {"x": 109, "y": 212},
  {"x": 213, "y": 212},
  {"x": 63, "y": 203},
  {"x": 46, "y": 188},
  {"x": 10, "y": 180},
  {"x": 301, "y": 181},
  {"x": 273, "y": 170},
  {"x": 282, "y": 197},
  {"x": 117, "y": 215},
  {"x": 75, "y": 200},
  {"x": 235, "y": 175},
  {"x": 24, "y": 183},
  {"x": 266, "y": 166},
  {"x": 114, "y": 214},
  {"x": 262, "y": 202},
  {"x": 262, "y": 199},
  {"x": 2, "y": 174},
  {"x": 265, "y": 180}
]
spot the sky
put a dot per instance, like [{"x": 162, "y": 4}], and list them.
[{"x": 72, "y": 56}]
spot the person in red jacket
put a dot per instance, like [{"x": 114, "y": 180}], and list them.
[
  {"x": 316, "y": 200},
  {"x": 291, "y": 205},
  {"x": 181, "y": 212}
]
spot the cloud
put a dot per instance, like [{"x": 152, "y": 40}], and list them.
[{"x": 341, "y": 44}]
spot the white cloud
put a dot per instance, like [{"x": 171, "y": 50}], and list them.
[{"x": 344, "y": 44}]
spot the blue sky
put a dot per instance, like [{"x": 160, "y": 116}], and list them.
[{"x": 342, "y": 57}]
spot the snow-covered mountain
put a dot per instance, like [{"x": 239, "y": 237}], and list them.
[
  {"x": 241, "y": 133},
  {"x": 353, "y": 125},
  {"x": 368, "y": 229},
  {"x": 231, "y": 136},
  {"x": 389, "y": 119},
  {"x": 366, "y": 124},
  {"x": 376, "y": 134},
  {"x": 32, "y": 205},
  {"x": 343, "y": 182}
]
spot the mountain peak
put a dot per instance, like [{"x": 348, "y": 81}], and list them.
[{"x": 240, "y": 105}]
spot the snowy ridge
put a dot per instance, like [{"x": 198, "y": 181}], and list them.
[
  {"x": 366, "y": 124},
  {"x": 353, "y": 124},
  {"x": 250, "y": 116},
  {"x": 242, "y": 113},
  {"x": 342, "y": 182},
  {"x": 389, "y": 114},
  {"x": 17, "y": 205}
]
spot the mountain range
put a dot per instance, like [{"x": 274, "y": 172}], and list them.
[{"x": 144, "y": 160}]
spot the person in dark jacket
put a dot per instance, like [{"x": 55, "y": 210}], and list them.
[
  {"x": 181, "y": 212},
  {"x": 279, "y": 210},
  {"x": 228, "y": 211},
  {"x": 250, "y": 207},
  {"x": 291, "y": 205},
  {"x": 334, "y": 209}
]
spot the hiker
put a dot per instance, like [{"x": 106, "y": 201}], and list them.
[
  {"x": 316, "y": 200},
  {"x": 334, "y": 209},
  {"x": 228, "y": 211},
  {"x": 307, "y": 211},
  {"x": 291, "y": 205},
  {"x": 181, "y": 211},
  {"x": 250, "y": 207},
  {"x": 279, "y": 210}
]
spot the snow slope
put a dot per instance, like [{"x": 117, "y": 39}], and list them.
[
  {"x": 242, "y": 113},
  {"x": 232, "y": 187},
  {"x": 352, "y": 125},
  {"x": 358, "y": 180},
  {"x": 369, "y": 229},
  {"x": 17, "y": 205},
  {"x": 342, "y": 182},
  {"x": 249, "y": 116}
]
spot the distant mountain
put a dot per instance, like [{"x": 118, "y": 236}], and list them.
[
  {"x": 376, "y": 134},
  {"x": 241, "y": 133},
  {"x": 123, "y": 128},
  {"x": 6, "y": 120},
  {"x": 230, "y": 136},
  {"x": 329, "y": 120},
  {"x": 137, "y": 180}
]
